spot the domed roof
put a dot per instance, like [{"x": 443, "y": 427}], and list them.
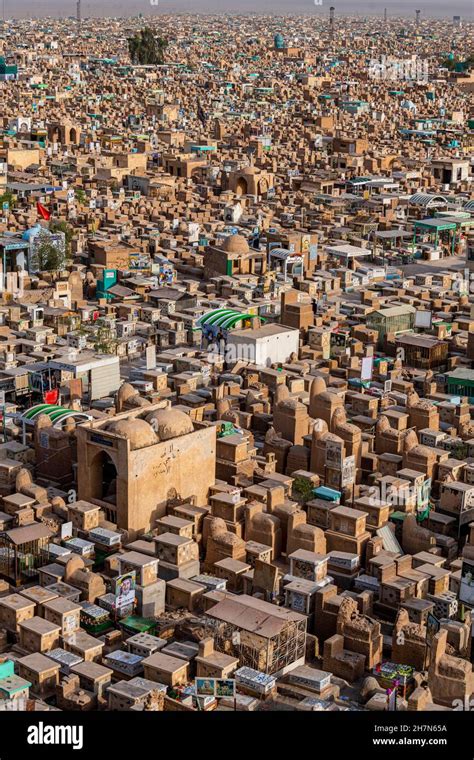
[
  {"x": 300, "y": 450},
  {"x": 425, "y": 404},
  {"x": 139, "y": 433},
  {"x": 333, "y": 437},
  {"x": 264, "y": 518},
  {"x": 329, "y": 396},
  {"x": 33, "y": 231},
  {"x": 235, "y": 244},
  {"x": 290, "y": 405},
  {"x": 421, "y": 450},
  {"x": 170, "y": 423},
  {"x": 126, "y": 391},
  {"x": 279, "y": 41},
  {"x": 230, "y": 539},
  {"x": 318, "y": 386}
]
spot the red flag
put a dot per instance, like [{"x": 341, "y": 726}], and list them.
[
  {"x": 51, "y": 397},
  {"x": 43, "y": 211}
]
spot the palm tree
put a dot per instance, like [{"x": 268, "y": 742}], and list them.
[{"x": 146, "y": 49}]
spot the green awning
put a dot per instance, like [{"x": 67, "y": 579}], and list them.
[
  {"x": 55, "y": 413},
  {"x": 435, "y": 224},
  {"x": 225, "y": 318}
]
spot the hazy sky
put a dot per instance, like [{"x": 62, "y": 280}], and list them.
[{"x": 438, "y": 8}]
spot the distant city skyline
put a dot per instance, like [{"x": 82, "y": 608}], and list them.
[{"x": 398, "y": 8}]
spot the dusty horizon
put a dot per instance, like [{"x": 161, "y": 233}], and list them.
[{"x": 123, "y": 8}]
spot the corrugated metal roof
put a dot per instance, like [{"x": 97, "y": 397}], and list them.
[
  {"x": 423, "y": 341},
  {"x": 390, "y": 543},
  {"x": 428, "y": 199},
  {"x": 29, "y": 533},
  {"x": 395, "y": 311},
  {"x": 56, "y": 414},
  {"x": 263, "y": 619}
]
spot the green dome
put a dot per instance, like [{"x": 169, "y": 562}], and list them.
[{"x": 279, "y": 41}]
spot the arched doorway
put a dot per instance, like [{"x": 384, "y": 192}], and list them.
[
  {"x": 241, "y": 186},
  {"x": 104, "y": 480},
  {"x": 197, "y": 175}
]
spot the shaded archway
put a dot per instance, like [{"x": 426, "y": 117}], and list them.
[
  {"x": 198, "y": 175},
  {"x": 104, "y": 478},
  {"x": 241, "y": 187}
]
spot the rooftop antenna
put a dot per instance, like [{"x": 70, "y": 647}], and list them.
[
  {"x": 331, "y": 19},
  {"x": 417, "y": 13},
  {"x": 78, "y": 11}
]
